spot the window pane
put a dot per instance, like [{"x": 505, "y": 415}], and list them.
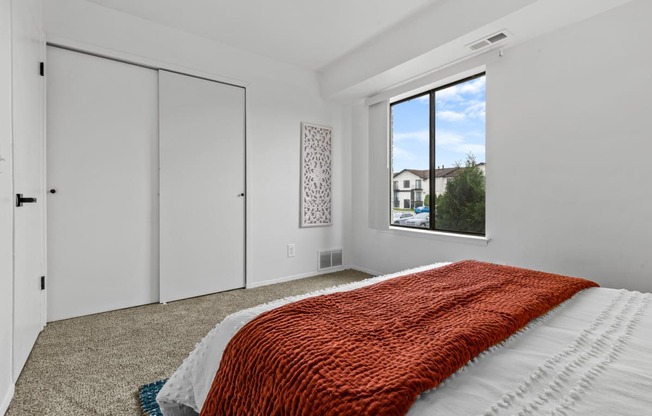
[
  {"x": 460, "y": 157},
  {"x": 410, "y": 160},
  {"x": 458, "y": 138}
]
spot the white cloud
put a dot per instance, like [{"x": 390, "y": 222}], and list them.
[
  {"x": 473, "y": 87},
  {"x": 460, "y": 92},
  {"x": 449, "y": 115},
  {"x": 448, "y": 139},
  {"x": 450, "y": 93},
  {"x": 421, "y": 135},
  {"x": 398, "y": 153},
  {"x": 476, "y": 109},
  {"x": 455, "y": 143},
  {"x": 472, "y": 109}
]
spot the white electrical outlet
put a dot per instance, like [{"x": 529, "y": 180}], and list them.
[{"x": 291, "y": 250}]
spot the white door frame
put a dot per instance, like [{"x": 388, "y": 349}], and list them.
[
  {"x": 28, "y": 47},
  {"x": 44, "y": 292}
]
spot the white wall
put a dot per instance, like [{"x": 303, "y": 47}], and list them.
[
  {"x": 279, "y": 97},
  {"x": 568, "y": 159},
  {"x": 6, "y": 209}
]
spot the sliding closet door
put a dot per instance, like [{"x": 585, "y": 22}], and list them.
[
  {"x": 102, "y": 184},
  {"x": 202, "y": 185}
]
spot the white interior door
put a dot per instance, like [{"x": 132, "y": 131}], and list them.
[
  {"x": 102, "y": 184},
  {"x": 29, "y": 235},
  {"x": 202, "y": 185}
]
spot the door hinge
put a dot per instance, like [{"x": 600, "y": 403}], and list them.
[
  {"x": 42, "y": 282},
  {"x": 42, "y": 69}
]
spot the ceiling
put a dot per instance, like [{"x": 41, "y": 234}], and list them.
[
  {"x": 361, "y": 48},
  {"x": 307, "y": 33}
]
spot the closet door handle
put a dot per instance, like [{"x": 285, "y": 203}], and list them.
[
  {"x": 20, "y": 200},
  {"x": 241, "y": 194}
]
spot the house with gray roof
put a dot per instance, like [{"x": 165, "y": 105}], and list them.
[{"x": 410, "y": 186}]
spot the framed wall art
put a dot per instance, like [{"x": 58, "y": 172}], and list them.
[{"x": 316, "y": 175}]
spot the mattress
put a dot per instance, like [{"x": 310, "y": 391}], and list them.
[{"x": 593, "y": 353}]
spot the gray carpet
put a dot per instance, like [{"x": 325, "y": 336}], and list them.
[{"x": 93, "y": 365}]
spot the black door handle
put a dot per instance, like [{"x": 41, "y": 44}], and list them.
[
  {"x": 53, "y": 191},
  {"x": 20, "y": 200}
]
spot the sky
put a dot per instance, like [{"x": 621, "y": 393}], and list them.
[{"x": 459, "y": 127}]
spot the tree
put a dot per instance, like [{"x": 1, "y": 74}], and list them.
[
  {"x": 462, "y": 206},
  {"x": 426, "y": 201}
]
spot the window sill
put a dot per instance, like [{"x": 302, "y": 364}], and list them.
[{"x": 474, "y": 240}]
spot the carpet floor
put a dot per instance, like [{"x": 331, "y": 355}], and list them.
[{"x": 93, "y": 365}]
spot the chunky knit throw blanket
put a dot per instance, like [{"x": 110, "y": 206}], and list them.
[{"x": 373, "y": 350}]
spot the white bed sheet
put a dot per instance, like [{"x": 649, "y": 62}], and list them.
[{"x": 590, "y": 355}]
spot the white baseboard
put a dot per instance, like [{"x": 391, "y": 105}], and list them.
[
  {"x": 311, "y": 274},
  {"x": 368, "y": 271},
  {"x": 295, "y": 277},
  {"x": 4, "y": 405}
]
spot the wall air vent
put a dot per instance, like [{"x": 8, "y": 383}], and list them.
[
  {"x": 489, "y": 40},
  {"x": 330, "y": 258}
]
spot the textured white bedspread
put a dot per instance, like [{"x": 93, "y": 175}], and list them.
[{"x": 591, "y": 355}]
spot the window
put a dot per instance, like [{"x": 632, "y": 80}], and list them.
[
  {"x": 406, "y": 184},
  {"x": 442, "y": 132}
]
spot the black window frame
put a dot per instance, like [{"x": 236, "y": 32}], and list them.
[{"x": 432, "y": 174}]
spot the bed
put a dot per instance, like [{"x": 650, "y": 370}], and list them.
[{"x": 591, "y": 354}]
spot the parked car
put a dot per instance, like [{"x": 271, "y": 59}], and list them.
[
  {"x": 421, "y": 209},
  {"x": 420, "y": 220},
  {"x": 401, "y": 217}
]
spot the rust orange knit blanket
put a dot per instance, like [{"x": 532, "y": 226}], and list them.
[{"x": 371, "y": 351}]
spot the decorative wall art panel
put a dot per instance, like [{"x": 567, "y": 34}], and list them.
[{"x": 316, "y": 195}]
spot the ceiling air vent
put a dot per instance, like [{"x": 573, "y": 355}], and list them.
[
  {"x": 489, "y": 40},
  {"x": 479, "y": 45},
  {"x": 495, "y": 38}
]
